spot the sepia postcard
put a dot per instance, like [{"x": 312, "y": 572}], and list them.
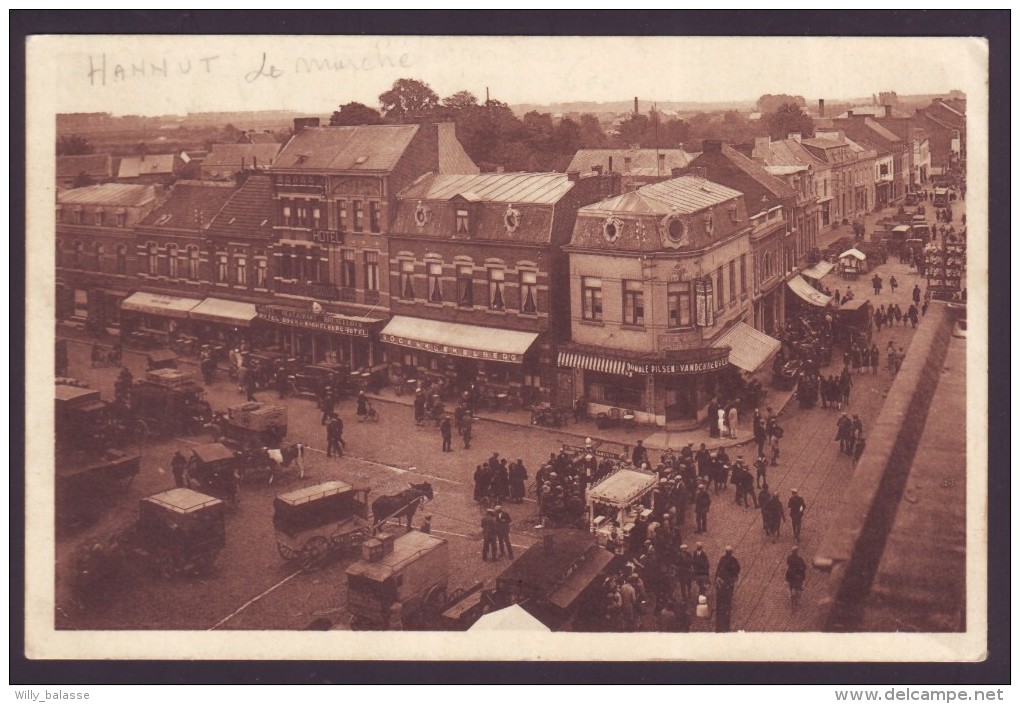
[{"x": 507, "y": 348}]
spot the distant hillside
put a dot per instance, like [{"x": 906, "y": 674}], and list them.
[{"x": 628, "y": 106}]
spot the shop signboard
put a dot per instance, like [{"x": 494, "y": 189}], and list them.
[{"x": 313, "y": 320}]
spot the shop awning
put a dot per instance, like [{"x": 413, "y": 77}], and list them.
[
  {"x": 457, "y": 339},
  {"x": 855, "y": 253},
  {"x": 219, "y": 310},
  {"x": 593, "y": 363},
  {"x": 159, "y": 304},
  {"x": 749, "y": 348},
  {"x": 818, "y": 271},
  {"x": 808, "y": 292}
]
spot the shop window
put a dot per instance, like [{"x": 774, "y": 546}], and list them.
[
  {"x": 615, "y": 390},
  {"x": 465, "y": 286},
  {"x": 261, "y": 273},
  {"x": 194, "y": 258},
  {"x": 633, "y": 303},
  {"x": 341, "y": 215},
  {"x": 435, "y": 282},
  {"x": 591, "y": 298},
  {"x": 121, "y": 258},
  {"x": 241, "y": 271},
  {"x": 463, "y": 222},
  {"x": 359, "y": 216},
  {"x": 496, "y": 279},
  {"x": 374, "y": 216},
  {"x": 371, "y": 271},
  {"x": 221, "y": 268},
  {"x": 347, "y": 267},
  {"x": 407, "y": 280},
  {"x": 171, "y": 261},
  {"x": 152, "y": 256},
  {"x": 678, "y": 305},
  {"x": 529, "y": 292}
]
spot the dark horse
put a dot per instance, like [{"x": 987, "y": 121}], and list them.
[{"x": 403, "y": 504}]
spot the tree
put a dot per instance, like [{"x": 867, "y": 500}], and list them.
[
  {"x": 355, "y": 114},
  {"x": 73, "y": 145},
  {"x": 771, "y": 103},
  {"x": 786, "y": 120},
  {"x": 567, "y": 137},
  {"x": 592, "y": 134},
  {"x": 408, "y": 100},
  {"x": 461, "y": 100}
]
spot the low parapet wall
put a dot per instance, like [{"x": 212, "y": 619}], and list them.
[{"x": 853, "y": 546}]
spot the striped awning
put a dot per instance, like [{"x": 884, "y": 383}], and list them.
[{"x": 592, "y": 362}]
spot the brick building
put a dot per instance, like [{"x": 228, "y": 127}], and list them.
[{"x": 478, "y": 278}]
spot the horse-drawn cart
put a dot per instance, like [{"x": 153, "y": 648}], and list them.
[
  {"x": 403, "y": 588},
  {"x": 317, "y": 522},
  {"x": 169, "y": 402},
  {"x": 252, "y": 425},
  {"x": 181, "y": 531},
  {"x": 215, "y": 468}
]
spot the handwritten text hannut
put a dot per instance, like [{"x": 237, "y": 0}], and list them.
[{"x": 104, "y": 69}]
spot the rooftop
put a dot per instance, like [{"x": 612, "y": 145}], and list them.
[
  {"x": 642, "y": 161},
  {"x": 146, "y": 165},
  {"x": 93, "y": 164},
  {"x": 685, "y": 194},
  {"x": 368, "y": 148},
  {"x": 236, "y": 155},
  {"x": 122, "y": 194},
  {"x": 248, "y": 211},
  {"x": 537, "y": 188},
  {"x": 187, "y": 201}
]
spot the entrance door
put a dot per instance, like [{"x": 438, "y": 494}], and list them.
[{"x": 564, "y": 387}]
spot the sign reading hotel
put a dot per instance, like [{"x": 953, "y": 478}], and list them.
[
  {"x": 326, "y": 322},
  {"x": 439, "y": 348}
]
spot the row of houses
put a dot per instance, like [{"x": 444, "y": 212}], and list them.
[{"x": 380, "y": 246}]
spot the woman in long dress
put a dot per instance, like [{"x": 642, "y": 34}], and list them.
[{"x": 733, "y": 421}]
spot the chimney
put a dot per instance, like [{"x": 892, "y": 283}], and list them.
[
  {"x": 821, "y": 107},
  {"x": 795, "y": 136},
  {"x": 626, "y": 164},
  {"x": 573, "y": 176},
  {"x": 635, "y": 105},
  {"x": 300, "y": 123},
  {"x": 761, "y": 147},
  {"x": 610, "y": 163},
  {"x": 888, "y": 110},
  {"x": 662, "y": 160},
  {"x": 850, "y": 113},
  {"x": 711, "y": 146}
]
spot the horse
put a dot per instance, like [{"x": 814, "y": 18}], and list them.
[
  {"x": 403, "y": 504},
  {"x": 272, "y": 461}
]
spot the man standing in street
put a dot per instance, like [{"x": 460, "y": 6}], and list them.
[
  {"x": 726, "y": 574},
  {"x": 640, "y": 454},
  {"x": 797, "y": 507},
  {"x": 876, "y": 282},
  {"x": 335, "y": 437},
  {"x": 684, "y": 573},
  {"x": 489, "y": 534},
  {"x": 177, "y": 465},
  {"x": 702, "y": 502},
  {"x": 503, "y": 532},
  {"x": 446, "y": 429},
  {"x": 465, "y": 429},
  {"x": 700, "y": 567}
]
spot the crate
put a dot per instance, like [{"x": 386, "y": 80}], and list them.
[
  {"x": 258, "y": 416},
  {"x": 373, "y": 549},
  {"x": 170, "y": 378}
]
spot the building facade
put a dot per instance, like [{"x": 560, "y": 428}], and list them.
[
  {"x": 658, "y": 276},
  {"x": 637, "y": 167},
  {"x": 477, "y": 278}
]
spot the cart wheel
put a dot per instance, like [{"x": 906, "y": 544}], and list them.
[
  {"x": 435, "y": 597},
  {"x": 286, "y": 552},
  {"x": 314, "y": 552}
]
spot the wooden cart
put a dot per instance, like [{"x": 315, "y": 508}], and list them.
[
  {"x": 181, "y": 531},
  {"x": 321, "y": 521}
]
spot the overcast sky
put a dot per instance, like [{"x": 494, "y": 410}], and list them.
[{"x": 155, "y": 75}]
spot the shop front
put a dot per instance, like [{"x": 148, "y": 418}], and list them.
[
  {"x": 234, "y": 324},
  {"x": 317, "y": 336},
  {"x": 501, "y": 364},
  {"x": 155, "y": 318}
]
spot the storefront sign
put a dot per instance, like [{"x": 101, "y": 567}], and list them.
[
  {"x": 596, "y": 453},
  {"x": 677, "y": 367},
  {"x": 327, "y": 322},
  {"x": 439, "y": 348}
]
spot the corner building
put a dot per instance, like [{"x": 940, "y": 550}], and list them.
[{"x": 660, "y": 291}]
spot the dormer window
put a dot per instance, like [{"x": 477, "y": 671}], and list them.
[{"x": 463, "y": 221}]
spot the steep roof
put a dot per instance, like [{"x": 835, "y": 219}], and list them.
[
  {"x": 148, "y": 165},
  {"x": 120, "y": 194},
  {"x": 645, "y": 160},
  {"x": 258, "y": 138},
  {"x": 95, "y": 165},
  {"x": 685, "y": 194},
  {"x": 724, "y": 164},
  {"x": 234, "y": 155},
  {"x": 790, "y": 152},
  {"x": 881, "y": 131},
  {"x": 369, "y": 148},
  {"x": 452, "y": 157},
  {"x": 249, "y": 210},
  {"x": 776, "y": 186},
  {"x": 538, "y": 188},
  {"x": 186, "y": 200}
]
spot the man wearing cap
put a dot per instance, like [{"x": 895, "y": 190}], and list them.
[
  {"x": 726, "y": 574},
  {"x": 684, "y": 572},
  {"x": 797, "y": 507},
  {"x": 446, "y": 430},
  {"x": 489, "y": 534},
  {"x": 465, "y": 429},
  {"x": 702, "y": 502},
  {"x": 700, "y": 567},
  {"x": 503, "y": 532}
]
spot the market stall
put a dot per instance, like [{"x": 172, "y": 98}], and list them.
[
  {"x": 852, "y": 263},
  {"x": 617, "y": 499}
]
